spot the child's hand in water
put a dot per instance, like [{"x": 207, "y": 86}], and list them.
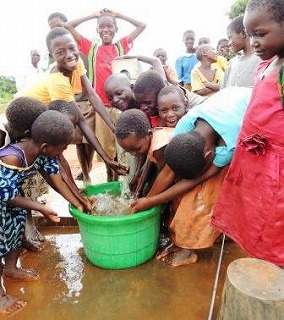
[
  {"x": 140, "y": 205},
  {"x": 50, "y": 214},
  {"x": 118, "y": 168},
  {"x": 89, "y": 204}
]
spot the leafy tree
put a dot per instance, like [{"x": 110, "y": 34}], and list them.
[
  {"x": 7, "y": 91},
  {"x": 7, "y": 85},
  {"x": 237, "y": 9}
]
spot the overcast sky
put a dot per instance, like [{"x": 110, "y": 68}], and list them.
[{"x": 23, "y": 24}]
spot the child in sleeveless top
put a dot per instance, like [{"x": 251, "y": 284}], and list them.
[{"x": 17, "y": 162}]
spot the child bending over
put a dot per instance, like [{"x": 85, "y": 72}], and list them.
[
  {"x": 196, "y": 160},
  {"x": 17, "y": 162}
]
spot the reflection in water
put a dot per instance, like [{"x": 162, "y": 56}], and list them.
[{"x": 70, "y": 269}]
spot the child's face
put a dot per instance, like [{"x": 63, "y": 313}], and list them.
[
  {"x": 162, "y": 55},
  {"x": 171, "y": 108},
  {"x": 266, "y": 34},
  {"x": 135, "y": 145},
  {"x": 147, "y": 102},
  {"x": 119, "y": 94},
  {"x": 189, "y": 39},
  {"x": 65, "y": 52},
  {"x": 212, "y": 54},
  {"x": 53, "y": 151},
  {"x": 237, "y": 41},
  {"x": 106, "y": 28},
  {"x": 55, "y": 22}
]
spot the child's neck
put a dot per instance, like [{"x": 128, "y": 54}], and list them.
[{"x": 30, "y": 149}]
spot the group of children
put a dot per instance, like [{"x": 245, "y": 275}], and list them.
[{"x": 188, "y": 140}]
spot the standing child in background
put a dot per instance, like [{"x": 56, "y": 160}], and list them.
[
  {"x": 241, "y": 69},
  {"x": 170, "y": 72},
  {"x": 196, "y": 160},
  {"x": 100, "y": 57},
  {"x": 205, "y": 79},
  {"x": 185, "y": 63},
  {"x": 223, "y": 49},
  {"x": 18, "y": 161},
  {"x": 250, "y": 206}
]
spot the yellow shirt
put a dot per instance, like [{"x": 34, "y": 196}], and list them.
[
  {"x": 56, "y": 86},
  {"x": 221, "y": 63},
  {"x": 198, "y": 79}
]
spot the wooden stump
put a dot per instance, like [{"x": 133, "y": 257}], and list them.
[{"x": 253, "y": 290}]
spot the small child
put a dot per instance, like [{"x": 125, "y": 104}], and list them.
[
  {"x": 250, "y": 207},
  {"x": 146, "y": 89},
  {"x": 17, "y": 162},
  {"x": 135, "y": 135},
  {"x": 241, "y": 68},
  {"x": 172, "y": 105},
  {"x": 206, "y": 79},
  {"x": 170, "y": 72}
]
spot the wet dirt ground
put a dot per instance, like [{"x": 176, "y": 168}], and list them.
[{"x": 72, "y": 288}]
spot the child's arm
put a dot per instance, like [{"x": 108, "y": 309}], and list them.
[
  {"x": 57, "y": 183},
  {"x": 94, "y": 142},
  {"x": 26, "y": 203},
  {"x": 84, "y": 202},
  {"x": 178, "y": 189},
  {"x": 96, "y": 102},
  {"x": 71, "y": 25},
  {"x": 153, "y": 61},
  {"x": 140, "y": 26}
]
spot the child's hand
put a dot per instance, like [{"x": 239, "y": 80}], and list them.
[
  {"x": 139, "y": 205},
  {"x": 88, "y": 204},
  {"x": 50, "y": 214},
  {"x": 118, "y": 168},
  {"x": 108, "y": 11}
]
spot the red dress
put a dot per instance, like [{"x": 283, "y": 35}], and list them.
[{"x": 250, "y": 208}]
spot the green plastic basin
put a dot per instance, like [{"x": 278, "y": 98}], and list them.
[{"x": 118, "y": 242}]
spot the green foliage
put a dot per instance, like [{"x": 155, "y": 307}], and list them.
[
  {"x": 237, "y": 8},
  {"x": 7, "y": 91}
]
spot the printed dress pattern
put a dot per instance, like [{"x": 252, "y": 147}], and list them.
[{"x": 13, "y": 219}]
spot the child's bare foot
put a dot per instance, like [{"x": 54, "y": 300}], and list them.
[
  {"x": 167, "y": 250},
  {"x": 181, "y": 257},
  {"x": 21, "y": 274},
  {"x": 10, "y": 305},
  {"x": 32, "y": 245}
]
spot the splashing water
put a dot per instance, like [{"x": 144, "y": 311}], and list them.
[{"x": 108, "y": 204}]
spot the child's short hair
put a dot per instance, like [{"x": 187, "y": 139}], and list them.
[
  {"x": 237, "y": 25},
  {"x": 132, "y": 121},
  {"x": 21, "y": 114},
  {"x": 201, "y": 49},
  {"x": 275, "y": 7},
  {"x": 172, "y": 88},
  {"x": 59, "y": 15},
  {"x": 68, "y": 108},
  {"x": 52, "y": 127},
  {"x": 185, "y": 155},
  {"x": 54, "y": 33},
  {"x": 149, "y": 81}
]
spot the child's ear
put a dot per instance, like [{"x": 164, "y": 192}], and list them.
[
  {"x": 208, "y": 155},
  {"x": 150, "y": 133},
  {"x": 243, "y": 33},
  {"x": 43, "y": 148}
]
